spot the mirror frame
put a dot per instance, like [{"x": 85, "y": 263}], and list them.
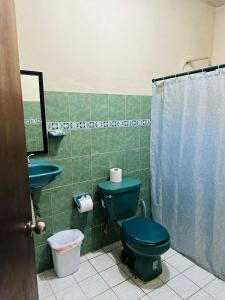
[{"x": 42, "y": 107}]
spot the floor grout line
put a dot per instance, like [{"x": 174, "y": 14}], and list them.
[
  {"x": 201, "y": 287},
  {"x": 131, "y": 279},
  {"x": 179, "y": 294},
  {"x": 177, "y": 269}
]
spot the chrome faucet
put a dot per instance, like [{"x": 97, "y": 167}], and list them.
[{"x": 28, "y": 158}]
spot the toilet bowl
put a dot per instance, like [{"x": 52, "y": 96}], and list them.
[{"x": 144, "y": 240}]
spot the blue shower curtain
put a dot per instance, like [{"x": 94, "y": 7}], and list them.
[{"x": 188, "y": 165}]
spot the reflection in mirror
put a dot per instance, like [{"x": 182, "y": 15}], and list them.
[{"x": 34, "y": 111}]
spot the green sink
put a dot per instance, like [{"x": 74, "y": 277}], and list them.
[{"x": 41, "y": 173}]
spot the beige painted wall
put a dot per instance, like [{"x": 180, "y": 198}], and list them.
[
  {"x": 30, "y": 88},
  {"x": 111, "y": 46},
  {"x": 219, "y": 37}
]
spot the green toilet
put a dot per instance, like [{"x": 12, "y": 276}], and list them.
[{"x": 143, "y": 239}]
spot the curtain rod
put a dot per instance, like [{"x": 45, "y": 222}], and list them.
[{"x": 208, "y": 69}]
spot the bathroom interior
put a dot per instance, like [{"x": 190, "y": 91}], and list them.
[{"x": 112, "y": 153}]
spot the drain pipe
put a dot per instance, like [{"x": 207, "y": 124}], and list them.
[{"x": 144, "y": 208}]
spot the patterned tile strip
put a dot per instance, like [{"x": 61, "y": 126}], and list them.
[
  {"x": 32, "y": 121},
  {"x": 97, "y": 124},
  {"x": 90, "y": 124}
]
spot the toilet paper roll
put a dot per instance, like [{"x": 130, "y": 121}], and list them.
[
  {"x": 115, "y": 175},
  {"x": 85, "y": 204}
]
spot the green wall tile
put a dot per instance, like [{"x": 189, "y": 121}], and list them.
[
  {"x": 81, "y": 168},
  {"x": 94, "y": 239},
  {"x": 117, "y": 160},
  {"x": 132, "y": 138},
  {"x": 100, "y": 140},
  {"x": 28, "y": 110},
  {"x": 31, "y": 145},
  {"x": 145, "y": 178},
  {"x": 81, "y": 142},
  {"x": 135, "y": 174},
  {"x": 63, "y": 221},
  {"x": 81, "y": 221},
  {"x": 100, "y": 165},
  {"x": 38, "y": 131},
  {"x": 145, "y": 107},
  {"x": 57, "y": 108},
  {"x": 62, "y": 199},
  {"x": 132, "y": 160},
  {"x": 113, "y": 233},
  {"x": 82, "y": 187},
  {"x": 43, "y": 201},
  {"x": 33, "y": 132},
  {"x": 144, "y": 158},
  {"x": 80, "y": 105},
  {"x": 41, "y": 157},
  {"x": 43, "y": 258},
  {"x": 95, "y": 192},
  {"x": 60, "y": 147},
  {"x": 96, "y": 216},
  {"x": 91, "y": 218},
  {"x": 30, "y": 131},
  {"x": 34, "y": 140},
  {"x": 31, "y": 109},
  {"x": 144, "y": 137},
  {"x": 99, "y": 107},
  {"x": 116, "y": 139},
  {"x": 39, "y": 145},
  {"x": 66, "y": 176},
  {"x": 132, "y": 107},
  {"x": 116, "y": 107},
  {"x": 36, "y": 109}
]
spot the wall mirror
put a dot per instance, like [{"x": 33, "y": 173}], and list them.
[{"x": 34, "y": 112}]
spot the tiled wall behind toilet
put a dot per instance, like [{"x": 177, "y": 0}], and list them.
[{"x": 98, "y": 137}]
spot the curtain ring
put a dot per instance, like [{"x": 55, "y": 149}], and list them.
[{"x": 219, "y": 69}]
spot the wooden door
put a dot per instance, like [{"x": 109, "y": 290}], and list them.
[{"x": 17, "y": 268}]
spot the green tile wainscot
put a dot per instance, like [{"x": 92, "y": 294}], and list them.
[{"x": 87, "y": 153}]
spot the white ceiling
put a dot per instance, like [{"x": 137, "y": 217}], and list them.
[{"x": 215, "y": 3}]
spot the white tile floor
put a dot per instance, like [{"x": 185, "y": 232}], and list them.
[{"x": 102, "y": 276}]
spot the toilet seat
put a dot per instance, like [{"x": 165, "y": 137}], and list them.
[{"x": 143, "y": 231}]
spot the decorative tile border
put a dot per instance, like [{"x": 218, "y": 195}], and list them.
[
  {"x": 32, "y": 121},
  {"x": 97, "y": 124}
]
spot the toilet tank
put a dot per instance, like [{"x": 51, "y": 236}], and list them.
[{"x": 120, "y": 199}]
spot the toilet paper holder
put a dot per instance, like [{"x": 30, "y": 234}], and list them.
[{"x": 77, "y": 198}]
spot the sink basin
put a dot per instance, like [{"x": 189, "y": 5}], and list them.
[{"x": 41, "y": 173}]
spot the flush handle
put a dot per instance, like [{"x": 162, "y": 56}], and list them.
[{"x": 105, "y": 198}]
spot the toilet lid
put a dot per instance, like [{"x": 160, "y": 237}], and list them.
[{"x": 145, "y": 231}]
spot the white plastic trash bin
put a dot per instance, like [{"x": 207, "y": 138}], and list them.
[{"x": 65, "y": 247}]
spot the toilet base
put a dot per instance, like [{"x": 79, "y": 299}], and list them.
[{"x": 145, "y": 267}]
